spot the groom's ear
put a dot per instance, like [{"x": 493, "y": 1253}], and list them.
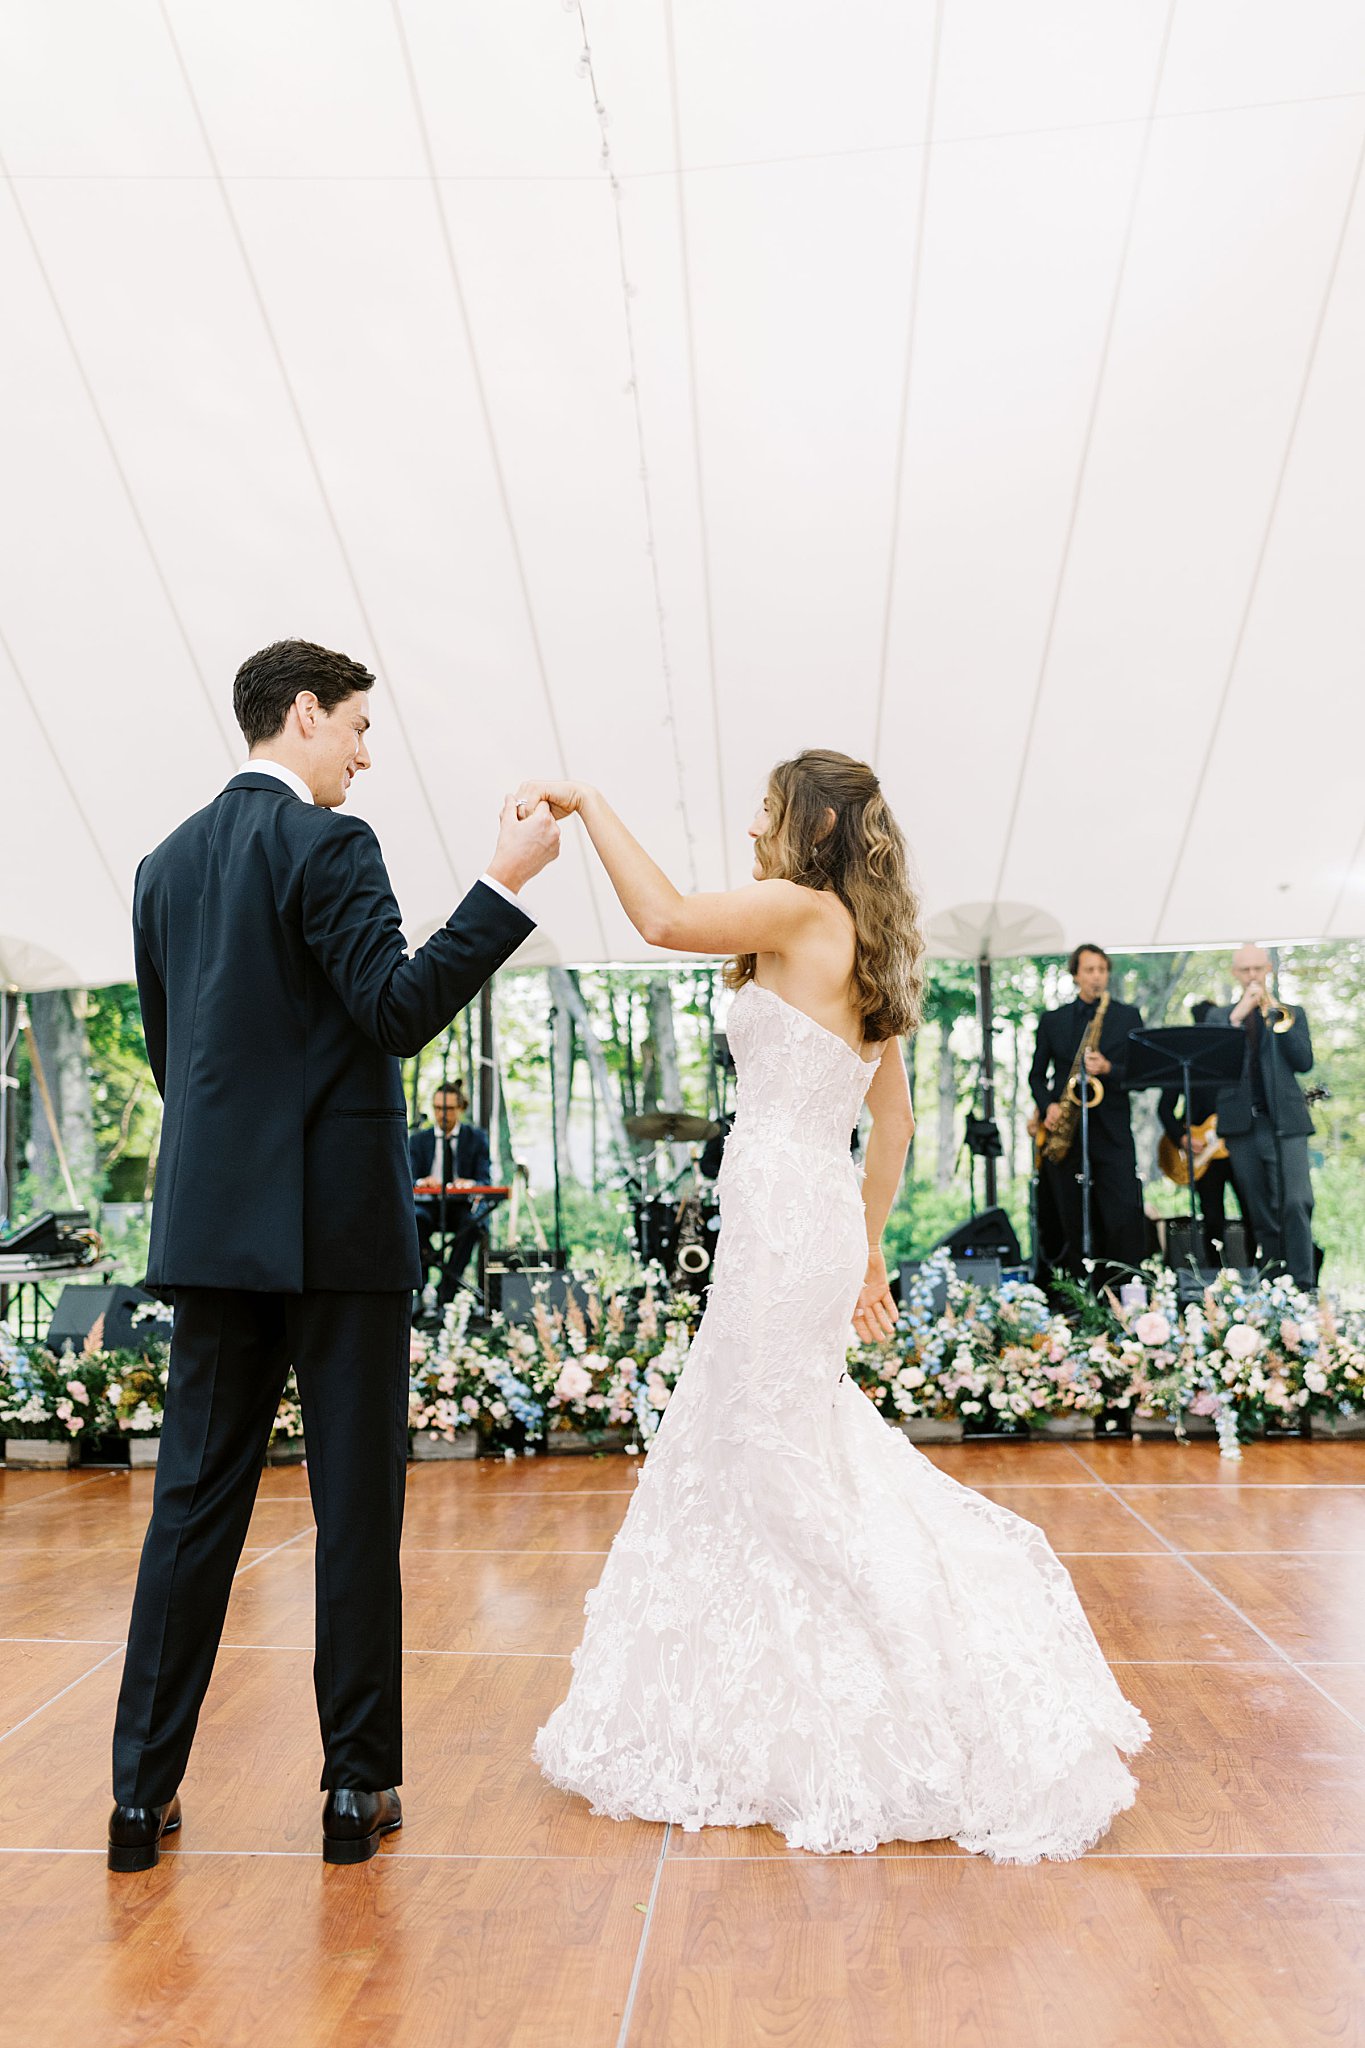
[{"x": 307, "y": 709}]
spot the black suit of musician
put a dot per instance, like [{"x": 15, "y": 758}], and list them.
[
  {"x": 1118, "y": 1230},
  {"x": 1265, "y": 1122},
  {"x": 278, "y": 1000},
  {"x": 450, "y": 1149}
]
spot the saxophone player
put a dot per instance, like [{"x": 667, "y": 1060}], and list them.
[{"x": 1118, "y": 1228}]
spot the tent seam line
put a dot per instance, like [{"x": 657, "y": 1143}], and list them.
[
  {"x": 494, "y": 451},
  {"x": 1087, "y": 442},
  {"x": 305, "y": 438},
  {"x": 698, "y": 465},
  {"x": 911, "y": 330}
]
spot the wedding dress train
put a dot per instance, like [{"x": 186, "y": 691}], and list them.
[{"x": 803, "y": 1621}]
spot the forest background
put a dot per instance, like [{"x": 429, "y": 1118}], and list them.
[{"x": 631, "y": 1039}]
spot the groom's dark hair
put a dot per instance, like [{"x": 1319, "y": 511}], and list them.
[{"x": 267, "y": 684}]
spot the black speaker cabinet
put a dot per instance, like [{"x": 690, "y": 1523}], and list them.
[
  {"x": 519, "y": 1292},
  {"x": 79, "y": 1309},
  {"x": 989, "y": 1235}
]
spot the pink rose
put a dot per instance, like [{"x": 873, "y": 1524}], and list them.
[{"x": 573, "y": 1382}]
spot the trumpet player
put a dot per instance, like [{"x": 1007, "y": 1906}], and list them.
[
  {"x": 1118, "y": 1230},
  {"x": 1264, "y": 1120}
]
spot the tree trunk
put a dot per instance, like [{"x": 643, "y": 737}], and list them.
[
  {"x": 911, "y": 1052},
  {"x": 947, "y": 1104},
  {"x": 58, "y": 1020},
  {"x": 567, "y": 993},
  {"x": 507, "y": 1157},
  {"x": 667, "y": 1077}
]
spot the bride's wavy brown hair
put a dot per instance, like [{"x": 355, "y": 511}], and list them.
[{"x": 862, "y": 858}]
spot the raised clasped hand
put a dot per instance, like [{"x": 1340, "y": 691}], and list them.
[{"x": 562, "y": 797}]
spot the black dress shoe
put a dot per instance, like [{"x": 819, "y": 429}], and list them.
[
  {"x": 135, "y": 1834},
  {"x": 353, "y": 1822}
]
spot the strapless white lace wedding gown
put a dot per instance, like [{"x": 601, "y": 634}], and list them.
[{"x": 802, "y": 1620}]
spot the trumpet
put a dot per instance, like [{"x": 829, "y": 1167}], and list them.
[{"x": 1274, "y": 1013}]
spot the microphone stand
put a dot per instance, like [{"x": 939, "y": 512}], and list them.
[
  {"x": 554, "y": 1124},
  {"x": 1084, "y": 1174},
  {"x": 440, "y": 1163}
]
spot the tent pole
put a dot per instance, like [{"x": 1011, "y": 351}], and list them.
[
  {"x": 985, "y": 1011},
  {"x": 9, "y": 1101}
]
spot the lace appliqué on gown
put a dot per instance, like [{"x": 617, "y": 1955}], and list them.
[{"x": 803, "y": 1621}]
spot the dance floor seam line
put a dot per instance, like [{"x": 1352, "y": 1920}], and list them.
[
  {"x": 17, "y": 1507},
  {"x": 61, "y": 1695},
  {"x": 395, "y": 1852},
  {"x": 1184, "y": 1556},
  {"x": 636, "y": 1974}
]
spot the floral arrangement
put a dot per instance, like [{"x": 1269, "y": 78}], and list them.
[
  {"x": 604, "y": 1367},
  {"x": 1245, "y": 1356},
  {"x": 997, "y": 1359}
]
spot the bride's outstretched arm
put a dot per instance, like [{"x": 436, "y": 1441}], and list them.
[
  {"x": 893, "y": 1126},
  {"x": 763, "y": 917}
]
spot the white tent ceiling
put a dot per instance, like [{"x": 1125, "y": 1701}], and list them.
[{"x": 970, "y": 385}]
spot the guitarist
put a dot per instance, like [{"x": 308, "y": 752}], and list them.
[
  {"x": 1265, "y": 1123},
  {"x": 1211, "y": 1186},
  {"x": 1118, "y": 1228}
]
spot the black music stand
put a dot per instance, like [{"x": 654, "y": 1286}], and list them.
[{"x": 1183, "y": 1054}]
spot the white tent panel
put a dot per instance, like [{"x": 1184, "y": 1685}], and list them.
[{"x": 983, "y": 393}]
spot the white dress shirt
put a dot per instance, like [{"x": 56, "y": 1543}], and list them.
[{"x": 301, "y": 789}]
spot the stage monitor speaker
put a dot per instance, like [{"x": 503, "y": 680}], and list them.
[
  {"x": 1191, "y": 1281},
  {"x": 79, "y": 1309},
  {"x": 1180, "y": 1246},
  {"x": 521, "y": 1291},
  {"x": 988, "y": 1235},
  {"x": 983, "y": 1273}
]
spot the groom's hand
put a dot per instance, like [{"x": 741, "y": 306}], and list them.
[
  {"x": 525, "y": 845},
  {"x": 563, "y": 797}
]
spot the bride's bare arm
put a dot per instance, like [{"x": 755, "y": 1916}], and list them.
[
  {"x": 893, "y": 1126},
  {"x": 763, "y": 917}
]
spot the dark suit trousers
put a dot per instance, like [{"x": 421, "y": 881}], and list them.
[
  {"x": 1117, "y": 1228},
  {"x": 230, "y": 1354},
  {"x": 1283, "y": 1228}
]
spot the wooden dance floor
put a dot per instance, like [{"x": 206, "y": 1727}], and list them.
[{"x": 1227, "y": 1908}]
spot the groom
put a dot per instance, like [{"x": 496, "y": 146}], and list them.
[{"x": 277, "y": 1000}]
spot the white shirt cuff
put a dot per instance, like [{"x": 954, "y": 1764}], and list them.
[{"x": 501, "y": 889}]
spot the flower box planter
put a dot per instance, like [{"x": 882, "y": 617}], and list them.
[
  {"x": 931, "y": 1429},
  {"x": 430, "y": 1443},
  {"x": 32, "y": 1453},
  {"x": 568, "y": 1442},
  {"x": 143, "y": 1450},
  {"x": 1052, "y": 1427},
  {"x": 288, "y": 1450},
  {"x": 1340, "y": 1425},
  {"x": 1154, "y": 1425},
  {"x": 1198, "y": 1425}
]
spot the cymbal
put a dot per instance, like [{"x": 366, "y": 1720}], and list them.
[{"x": 671, "y": 1127}]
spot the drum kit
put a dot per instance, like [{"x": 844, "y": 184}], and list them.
[{"x": 676, "y": 1223}]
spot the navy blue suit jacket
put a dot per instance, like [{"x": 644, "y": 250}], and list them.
[{"x": 278, "y": 999}]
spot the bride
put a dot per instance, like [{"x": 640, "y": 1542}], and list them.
[{"x": 802, "y": 1621}]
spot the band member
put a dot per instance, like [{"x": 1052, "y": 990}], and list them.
[
  {"x": 1211, "y": 1186},
  {"x": 449, "y": 1149},
  {"x": 1118, "y": 1229},
  {"x": 1264, "y": 1119}
]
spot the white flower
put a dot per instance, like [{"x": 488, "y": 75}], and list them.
[
  {"x": 497, "y": 1409},
  {"x": 470, "y": 1405},
  {"x": 1241, "y": 1341},
  {"x": 1152, "y": 1328}
]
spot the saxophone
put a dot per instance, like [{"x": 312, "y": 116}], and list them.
[{"x": 1057, "y": 1142}]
